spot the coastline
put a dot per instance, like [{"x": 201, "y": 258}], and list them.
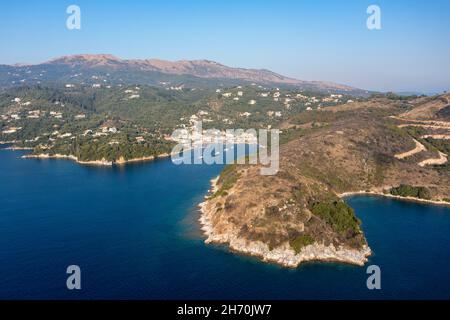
[
  {"x": 283, "y": 255},
  {"x": 69, "y": 157},
  {"x": 17, "y": 148},
  {"x": 102, "y": 162},
  {"x": 381, "y": 194}
]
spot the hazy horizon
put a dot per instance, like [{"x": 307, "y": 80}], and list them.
[{"x": 320, "y": 40}]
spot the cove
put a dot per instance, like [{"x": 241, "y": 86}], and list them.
[{"x": 133, "y": 231}]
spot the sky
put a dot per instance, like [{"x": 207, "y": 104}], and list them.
[{"x": 304, "y": 39}]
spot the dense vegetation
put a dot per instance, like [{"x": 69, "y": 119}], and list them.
[
  {"x": 411, "y": 191},
  {"x": 227, "y": 179},
  {"x": 301, "y": 241},
  {"x": 126, "y": 121},
  {"x": 340, "y": 216},
  {"x": 100, "y": 149}
]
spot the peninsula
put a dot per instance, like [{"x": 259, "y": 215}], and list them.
[{"x": 299, "y": 214}]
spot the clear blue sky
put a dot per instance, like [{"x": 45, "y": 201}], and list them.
[{"x": 305, "y": 39}]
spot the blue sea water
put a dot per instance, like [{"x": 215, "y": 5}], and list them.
[{"x": 133, "y": 231}]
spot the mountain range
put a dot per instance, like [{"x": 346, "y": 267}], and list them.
[{"x": 106, "y": 68}]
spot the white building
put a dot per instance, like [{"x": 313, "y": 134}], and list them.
[
  {"x": 11, "y": 130},
  {"x": 65, "y": 135}
]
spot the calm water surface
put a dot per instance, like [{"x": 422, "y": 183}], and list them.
[{"x": 133, "y": 231}]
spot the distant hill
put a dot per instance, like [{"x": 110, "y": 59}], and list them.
[
  {"x": 409, "y": 93},
  {"x": 105, "y": 68}
]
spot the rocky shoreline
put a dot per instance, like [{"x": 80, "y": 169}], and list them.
[
  {"x": 283, "y": 255},
  {"x": 102, "y": 162},
  {"x": 18, "y": 148},
  {"x": 7, "y": 142}
]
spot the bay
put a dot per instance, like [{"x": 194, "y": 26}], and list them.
[{"x": 134, "y": 233}]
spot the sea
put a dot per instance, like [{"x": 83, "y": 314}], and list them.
[{"x": 133, "y": 232}]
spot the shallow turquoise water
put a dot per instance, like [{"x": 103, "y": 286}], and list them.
[{"x": 134, "y": 233}]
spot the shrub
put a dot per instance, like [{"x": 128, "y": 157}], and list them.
[
  {"x": 340, "y": 216},
  {"x": 301, "y": 241},
  {"x": 411, "y": 191},
  {"x": 227, "y": 179}
]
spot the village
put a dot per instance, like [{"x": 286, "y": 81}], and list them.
[{"x": 46, "y": 125}]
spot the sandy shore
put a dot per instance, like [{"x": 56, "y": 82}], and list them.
[
  {"x": 283, "y": 255},
  {"x": 381, "y": 194}
]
